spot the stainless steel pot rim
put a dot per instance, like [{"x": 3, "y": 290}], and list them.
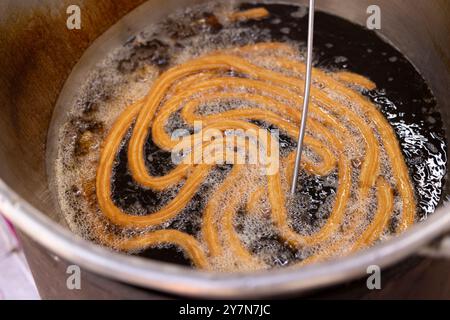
[{"x": 181, "y": 280}]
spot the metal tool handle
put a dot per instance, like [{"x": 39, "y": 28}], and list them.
[{"x": 306, "y": 91}]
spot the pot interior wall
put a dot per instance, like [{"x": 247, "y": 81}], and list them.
[{"x": 38, "y": 53}]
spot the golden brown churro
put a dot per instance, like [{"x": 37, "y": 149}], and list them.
[
  {"x": 273, "y": 96},
  {"x": 251, "y": 14}
]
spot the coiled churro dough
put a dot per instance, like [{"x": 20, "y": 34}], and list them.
[{"x": 274, "y": 96}]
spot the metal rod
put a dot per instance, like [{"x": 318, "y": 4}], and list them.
[{"x": 309, "y": 57}]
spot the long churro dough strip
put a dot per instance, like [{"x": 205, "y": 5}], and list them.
[
  {"x": 188, "y": 243},
  {"x": 280, "y": 215},
  {"x": 209, "y": 227},
  {"x": 188, "y": 190},
  {"x": 270, "y": 96},
  {"x": 372, "y": 232},
  {"x": 370, "y": 165},
  {"x": 104, "y": 172},
  {"x": 388, "y": 137},
  {"x": 382, "y": 216},
  {"x": 251, "y": 14},
  {"x": 279, "y": 212}
]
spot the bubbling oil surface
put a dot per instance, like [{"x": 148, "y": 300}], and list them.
[{"x": 127, "y": 74}]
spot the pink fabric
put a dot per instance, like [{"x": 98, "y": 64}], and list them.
[
  {"x": 16, "y": 281},
  {"x": 11, "y": 227}
]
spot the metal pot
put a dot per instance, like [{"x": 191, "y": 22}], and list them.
[{"x": 38, "y": 53}]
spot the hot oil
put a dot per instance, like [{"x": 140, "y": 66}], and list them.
[{"x": 126, "y": 75}]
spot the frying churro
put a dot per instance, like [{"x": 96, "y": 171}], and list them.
[{"x": 270, "y": 96}]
